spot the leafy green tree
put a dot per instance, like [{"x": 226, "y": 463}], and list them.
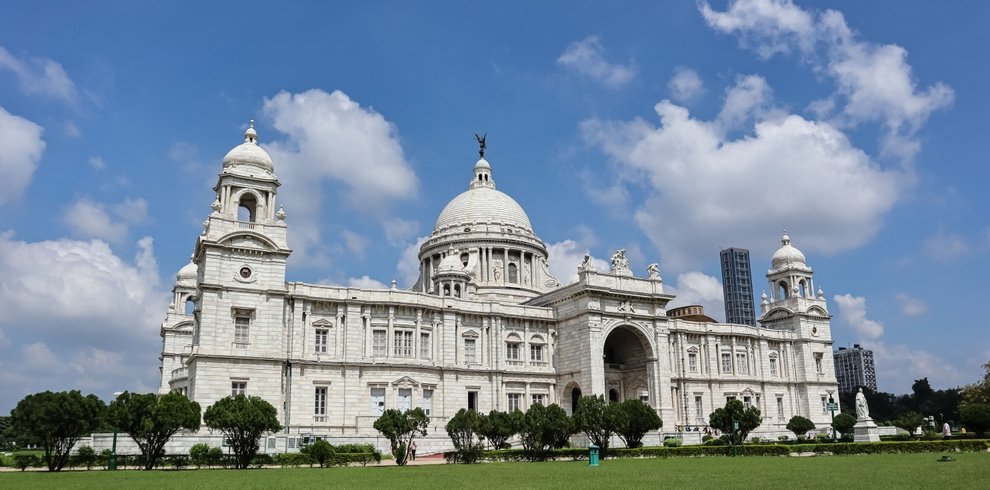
[
  {"x": 800, "y": 425},
  {"x": 242, "y": 420},
  {"x": 151, "y": 420},
  {"x": 976, "y": 416},
  {"x": 637, "y": 418},
  {"x": 544, "y": 428},
  {"x": 734, "y": 410},
  {"x": 400, "y": 428},
  {"x": 498, "y": 427},
  {"x": 978, "y": 392},
  {"x": 199, "y": 455},
  {"x": 86, "y": 457},
  {"x": 56, "y": 421},
  {"x": 844, "y": 423},
  {"x": 908, "y": 421},
  {"x": 320, "y": 451},
  {"x": 463, "y": 429},
  {"x": 7, "y": 441},
  {"x": 598, "y": 419}
]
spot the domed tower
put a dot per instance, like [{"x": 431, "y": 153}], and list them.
[
  {"x": 484, "y": 235},
  {"x": 792, "y": 284}
]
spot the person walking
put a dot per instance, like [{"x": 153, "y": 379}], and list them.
[
  {"x": 412, "y": 451},
  {"x": 946, "y": 431}
]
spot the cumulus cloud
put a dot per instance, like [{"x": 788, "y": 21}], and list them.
[
  {"x": 705, "y": 187},
  {"x": 897, "y": 364},
  {"x": 39, "y": 76},
  {"x": 21, "y": 147},
  {"x": 698, "y": 288},
  {"x": 399, "y": 231},
  {"x": 75, "y": 304},
  {"x": 587, "y": 57},
  {"x": 334, "y": 148},
  {"x": 97, "y": 163},
  {"x": 685, "y": 86},
  {"x": 911, "y": 306},
  {"x": 566, "y": 256},
  {"x": 945, "y": 247},
  {"x": 110, "y": 222},
  {"x": 874, "y": 82},
  {"x": 355, "y": 242},
  {"x": 408, "y": 266},
  {"x": 365, "y": 282}
]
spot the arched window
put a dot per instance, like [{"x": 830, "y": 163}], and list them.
[
  {"x": 802, "y": 289},
  {"x": 613, "y": 395},
  {"x": 513, "y": 273},
  {"x": 457, "y": 290},
  {"x": 782, "y": 292},
  {"x": 190, "y": 305},
  {"x": 446, "y": 289},
  {"x": 247, "y": 206}
]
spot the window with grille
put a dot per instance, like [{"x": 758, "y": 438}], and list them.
[
  {"x": 403, "y": 343},
  {"x": 692, "y": 362},
  {"x": 726, "y": 362},
  {"x": 242, "y": 324},
  {"x": 378, "y": 343},
  {"x": 425, "y": 348},
  {"x": 512, "y": 351},
  {"x": 515, "y": 401},
  {"x": 469, "y": 350},
  {"x": 536, "y": 352},
  {"x": 322, "y": 340},
  {"x": 320, "y": 401},
  {"x": 238, "y": 388},
  {"x": 742, "y": 367}
]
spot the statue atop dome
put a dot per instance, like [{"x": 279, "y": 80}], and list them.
[{"x": 481, "y": 143}]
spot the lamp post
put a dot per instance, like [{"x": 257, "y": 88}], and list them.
[
  {"x": 832, "y": 406},
  {"x": 735, "y": 429},
  {"x": 112, "y": 463}
]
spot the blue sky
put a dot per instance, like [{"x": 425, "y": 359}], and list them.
[{"x": 667, "y": 128}]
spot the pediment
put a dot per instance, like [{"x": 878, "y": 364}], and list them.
[
  {"x": 817, "y": 311},
  {"x": 405, "y": 381},
  {"x": 248, "y": 240},
  {"x": 323, "y": 322},
  {"x": 777, "y": 314}
]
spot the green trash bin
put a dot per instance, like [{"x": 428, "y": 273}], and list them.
[{"x": 592, "y": 455}]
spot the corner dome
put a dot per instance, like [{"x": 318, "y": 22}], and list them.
[
  {"x": 787, "y": 254},
  {"x": 248, "y": 158},
  {"x": 187, "y": 275}
]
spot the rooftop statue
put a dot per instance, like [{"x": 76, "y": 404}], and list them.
[{"x": 481, "y": 143}]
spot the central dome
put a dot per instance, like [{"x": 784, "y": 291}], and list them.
[{"x": 480, "y": 205}]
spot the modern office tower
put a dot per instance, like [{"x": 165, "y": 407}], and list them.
[
  {"x": 854, "y": 368},
  {"x": 737, "y": 287}
]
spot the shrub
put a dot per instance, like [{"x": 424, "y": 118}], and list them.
[
  {"x": 24, "y": 461},
  {"x": 215, "y": 457},
  {"x": 86, "y": 457},
  {"x": 292, "y": 459},
  {"x": 178, "y": 461},
  {"x": 672, "y": 442},
  {"x": 321, "y": 452},
  {"x": 199, "y": 455},
  {"x": 800, "y": 425},
  {"x": 706, "y": 438},
  {"x": 755, "y": 440},
  {"x": 262, "y": 459},
  {"x": 783, "y": 438}
]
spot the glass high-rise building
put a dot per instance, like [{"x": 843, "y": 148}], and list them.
[
  {"x": 737, "y": 287},
  {"x": 854, "y": 368}
]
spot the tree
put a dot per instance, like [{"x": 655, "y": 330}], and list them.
[
  {"x": 800, "y": 425},
  {"x": 400, "y": 428},
  {"x": 242, "y": 420},
  {"x": 463, "y": 429},
  {"x": 151, "y": 420},
  {"x": 637, "y": 418},
  {"x": 976, "y": 416},
  {"x": 908, "y": 421},
  {"x": 844, "y": 423},
  {"x": 598, "y": 419},
  {"x": 544, "y": 428},
  {"x": 498, "y": 427},
  {"x": 978, "y": 392},
  {"x": 56, "y": 421},
  {"x": 319, "y": 451},
  {"x": 7, "y": 442},
  {"x": 748, "y": 418}
]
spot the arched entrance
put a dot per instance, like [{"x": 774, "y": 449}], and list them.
[
  {"x": 575, "y": 395},
  {"x": 626, "y": 353}
]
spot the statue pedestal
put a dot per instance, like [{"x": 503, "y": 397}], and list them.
[{"x": 866, "y": 431}]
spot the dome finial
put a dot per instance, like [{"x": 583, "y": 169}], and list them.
[
  {"x": 481, "y": 144},
  {"x": 785, "y": 240},
  {"x": 251, "y": 136}
]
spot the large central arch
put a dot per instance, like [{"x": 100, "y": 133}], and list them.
[{"x": 627, "y": 353}]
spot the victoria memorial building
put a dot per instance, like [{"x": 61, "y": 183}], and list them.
[{"x": 485, "y": 326}]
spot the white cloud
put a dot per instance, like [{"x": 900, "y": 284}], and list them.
[
  {"x": 874, "y": 83},
  {"x": 566, "y": 256},
  {"x": 90, "y": 219},
  {"x": 945, "y": 247},
  {"x": 911, "y": 306},
  {"x": 587, "y": 57},
  {"x": 39, "y": 76},
  {"x": 698, "y": 288},
  {"x": 705, "y": 189},
  {"x": 399, "y": 231},
  {"x": 355, "y": 242},
  {"x": 21, "y": 147},
  {"x": 67, "y": 303},
  {"x": 852, "y": 309},
  {"x": 408, "y": 266},
  {"x": 72, "y": 130},
  {"x": 97, "y": 163},
  {"x": 365, "y": 282},
  {"x": 685, "y": 86},
  {"x": 338, "y": 149}
]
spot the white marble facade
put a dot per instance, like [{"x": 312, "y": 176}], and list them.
[{"x": 486, "y": 326}]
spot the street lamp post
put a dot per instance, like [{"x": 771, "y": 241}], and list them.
[
  {"x": 832, "y": 407},
  {"x": 112, "y": 463}
]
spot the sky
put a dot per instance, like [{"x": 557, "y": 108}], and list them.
[{"x": 669, "y": 129}]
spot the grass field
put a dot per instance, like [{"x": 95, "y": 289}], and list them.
[{"x": 970, "y": 470}]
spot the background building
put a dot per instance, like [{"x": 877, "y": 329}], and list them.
[
  {"x": 854, "y": 368},
  {"x": 737, "y": 287}
]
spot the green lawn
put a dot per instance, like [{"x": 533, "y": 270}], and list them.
[{"x": 970, "y": 470}]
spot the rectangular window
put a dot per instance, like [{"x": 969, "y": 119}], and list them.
[
  {"x": 515, "y": 401},
  {"x": 238, "y": 388},
  {"x": 536, "y": 352},
  {"x": 692, "y": 362},
  {"x": 321, "y": 340},
  {"x": 427, "y": 401},
  {"x": 747, "y": 402},
  {"x": 271, "y": 443},
  {"x": 379, "y": 343},
  {"x": 512, "y": 351},
  {"x": 780, "y": 407},
  {"x": 818, "y": 363},
  {"x": 377, "y": 401},
  {"x": 824, "y": 404},
  {"x": 726, "y": 362},
  {"x": 699, "y": 410},
  {"x": 425, "y": 348},
  {"x": 403, "y": 341},
  {"x": 773, "y": 366},
  {"x": 405, "y": 399},
  {"x": 742, "y": 367},
  {"x": 320, "y": 401},
  {"x": 539, "y": 399},
  {"x": 473, "y": 400},
  {"x": 242, "y": 324},
  {"x": 469, "y": 350}
]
